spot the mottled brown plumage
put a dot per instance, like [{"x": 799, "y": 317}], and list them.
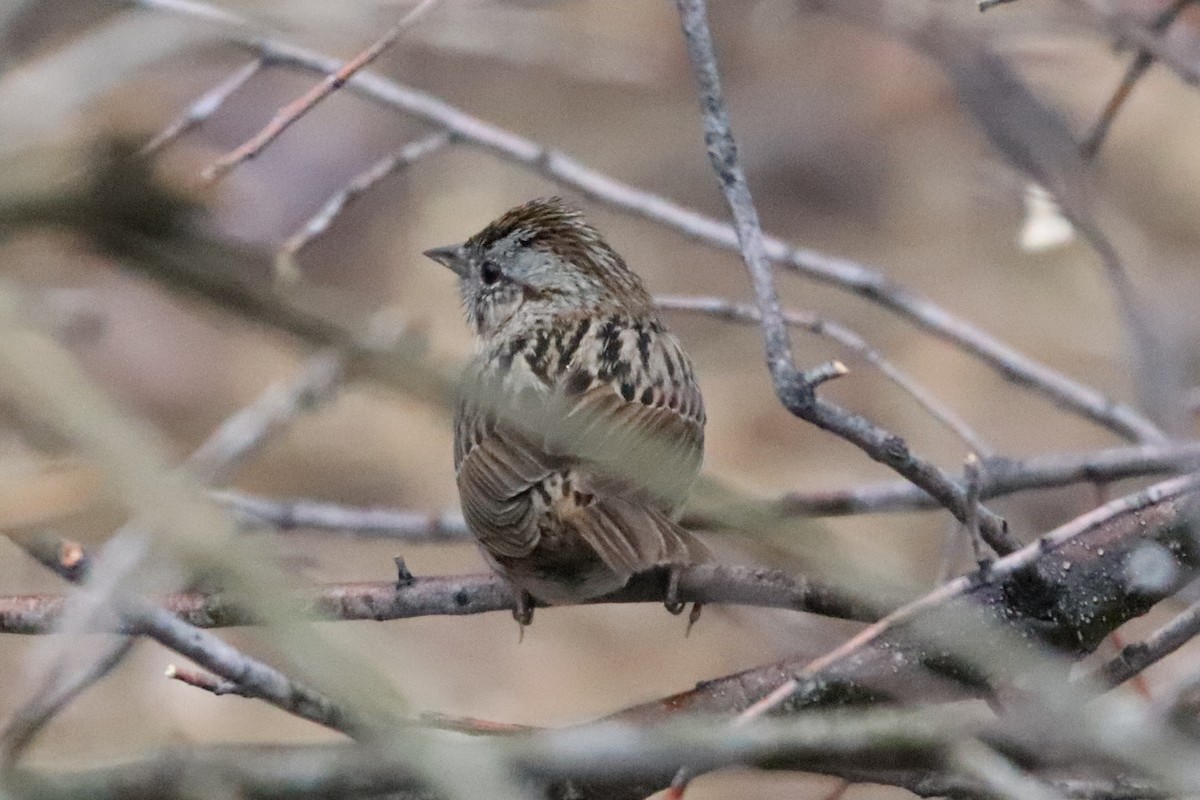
[{"x": 580, "y": 427}]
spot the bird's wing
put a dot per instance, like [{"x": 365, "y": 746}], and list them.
[
  {"x": 629, "y": 435},
  {"x": 630, "y": 536},
  {"x": 637, "y": 423},
  {"x": 497, "y": 465}
]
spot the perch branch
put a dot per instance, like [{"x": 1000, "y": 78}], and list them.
[{"x": 472, "y": 594}]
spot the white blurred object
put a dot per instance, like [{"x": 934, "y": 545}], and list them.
[{"x": 1045, "y": 226}]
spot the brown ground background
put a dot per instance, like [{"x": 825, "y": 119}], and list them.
[{"x": 854, "y": 145}]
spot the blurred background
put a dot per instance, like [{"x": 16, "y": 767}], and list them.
[{"x": 856, "y": 144}]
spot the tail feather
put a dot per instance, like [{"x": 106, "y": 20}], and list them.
[{"x": 630, "y": 537}]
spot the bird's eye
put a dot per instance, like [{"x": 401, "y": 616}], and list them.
[{"x": 489, "y": 272}]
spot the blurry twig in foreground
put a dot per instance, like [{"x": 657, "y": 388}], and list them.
[
  {"x": 149, "y": 228},
  {"x": 204, "y": 107},
  {"x": 245, "y": 432}
]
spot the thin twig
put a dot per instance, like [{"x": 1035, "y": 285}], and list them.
[
  {"x": 1137, "y": 68},
  {"x": 1001, "y": 777},
  {"x": 209, "y": 683},
  {"x": 723, "y": 308},
  {"x": 287, "y": 115},
  {"x": 1002, "y": 477},
  {"x": 196, "y": 9},
  {"x": 1135, "y": 658},
  {"x": 285, "y": 260},
  {"x": 242, "y": 434},
  {"x": 383, "y": 523},
  {"x": 204, "y": 107}
]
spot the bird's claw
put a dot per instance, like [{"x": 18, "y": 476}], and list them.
[{"x": 523, "y": 612}]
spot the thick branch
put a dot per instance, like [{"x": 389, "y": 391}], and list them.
[{"x": 1069, "y": 590}]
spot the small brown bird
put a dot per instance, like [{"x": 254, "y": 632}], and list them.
[{"x": 580, "y": 427}]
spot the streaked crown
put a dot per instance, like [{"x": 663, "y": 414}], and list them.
[{"x": 544, "y": 259}]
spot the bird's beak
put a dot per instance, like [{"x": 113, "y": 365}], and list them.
[{"x": 450, "y": 256}]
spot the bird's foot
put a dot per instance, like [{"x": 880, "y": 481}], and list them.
[
  {"x": 693, "y": 616},
  {"x": 672, "y": 602},
  {"x": 523, "y": 612}
]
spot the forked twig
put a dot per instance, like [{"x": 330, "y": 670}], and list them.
[
  {"x": 794, "y": 392},
  {"x": 287, "y": 115},
  {"x": 721, "y": 308}
]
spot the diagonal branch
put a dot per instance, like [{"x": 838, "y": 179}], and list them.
[
  {"x": 1069, "y": 590},
  {"x": 335, "y": 80}
]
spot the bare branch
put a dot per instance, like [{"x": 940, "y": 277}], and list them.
[
  {"x": 285, "y": 261},
  {"x": 244, "y": 433},
  {"x": 204, "y": 107},
  {"x": 456, "y": 595},
  {"x": 722, "y": 152},
  {"x": 1003, "y": 477},
  {"x": 794, "y": 392},
  {"x": 383, "y": 523},
  {"x": 1092, "y": 551},
  {"x": 1136, "y": 657},
  {"x": 723, "y": 308},
  {"x": 217, "y": 686},
  {"x": 335, "y": 80}
]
